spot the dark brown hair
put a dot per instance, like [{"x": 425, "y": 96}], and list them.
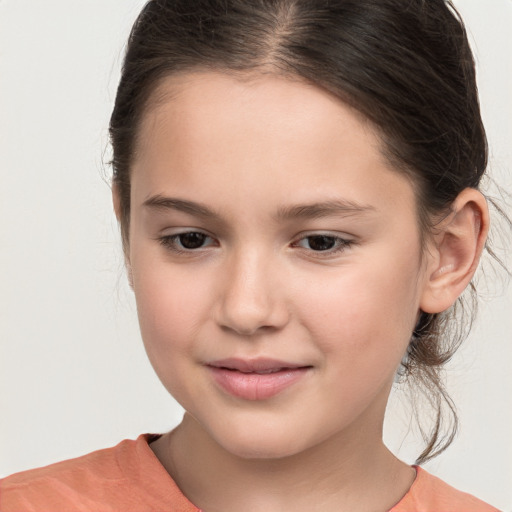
[{"x": 406, "y": 65}]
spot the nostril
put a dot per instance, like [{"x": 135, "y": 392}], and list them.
[{"x": 250, "y": 305}]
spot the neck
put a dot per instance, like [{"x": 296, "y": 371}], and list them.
[{"x": 349, "y": 471}]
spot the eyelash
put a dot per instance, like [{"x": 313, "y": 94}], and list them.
[
  {"x": 169, "y": 242},
  {"x": 341, "y": 244}
]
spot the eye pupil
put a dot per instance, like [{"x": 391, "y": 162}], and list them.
[
  {"x": 321, "y": 242},
  {"x": 192, "y": 240}
]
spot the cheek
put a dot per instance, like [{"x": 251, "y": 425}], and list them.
[
  {"x": 170, "y": 306},
  {"x": 364, "y": 314}
]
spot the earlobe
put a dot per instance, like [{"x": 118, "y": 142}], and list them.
[
  {"x": 129, "y": 274},
  {"x": 455, "y": 251},
  {"x": 116, "y": 201}
]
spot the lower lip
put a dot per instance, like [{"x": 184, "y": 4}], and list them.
[{"x": 256, "y": 386}]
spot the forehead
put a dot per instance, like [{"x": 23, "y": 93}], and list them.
[
  {"x": 207, "y": 102},
  {"x": 223, "y": 136}
]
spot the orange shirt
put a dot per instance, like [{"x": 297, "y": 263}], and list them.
[{"x": 129, "y": 478}]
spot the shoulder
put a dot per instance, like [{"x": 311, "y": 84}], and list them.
[
  {"x": 430, "y": 494},
  {"x": 124, "y": 477}
]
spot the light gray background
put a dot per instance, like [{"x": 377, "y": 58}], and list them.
[{"x": 73, "y": 373}]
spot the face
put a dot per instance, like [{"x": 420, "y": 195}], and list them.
[{"x": 275, "y": 260}]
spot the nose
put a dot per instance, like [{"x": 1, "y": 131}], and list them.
[{"x": 251, "y": 299}]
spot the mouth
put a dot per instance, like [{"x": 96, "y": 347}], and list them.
[{"x": 258, "y": 379}]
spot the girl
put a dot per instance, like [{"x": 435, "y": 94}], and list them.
[{"x": 296, "y": 184}]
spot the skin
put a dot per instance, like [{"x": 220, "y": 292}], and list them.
[{"x": 246, "y": 149}]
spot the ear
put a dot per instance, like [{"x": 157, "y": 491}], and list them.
[
  {"x": 455, "y": 251},
  {"x": 116, "y": 201}
]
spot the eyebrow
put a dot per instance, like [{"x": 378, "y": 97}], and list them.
[
  {"x": 300, "y": 211},
  {"x": 323, "y": 209},
  {"x": 162, "y": 203}
]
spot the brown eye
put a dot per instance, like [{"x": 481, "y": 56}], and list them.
[
  {"x": 186, "y": 242},
  {"x": 321, "y": 242},
  {"x": 191, "y": 240},
  {"x": 324, "y": 245}
]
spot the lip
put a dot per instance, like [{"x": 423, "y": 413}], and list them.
[{"x": 256, "y": 379}]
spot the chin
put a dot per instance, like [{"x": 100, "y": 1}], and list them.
[
  {"x": 259, "y": 448},
  {"x": 261, "y": 443}
]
